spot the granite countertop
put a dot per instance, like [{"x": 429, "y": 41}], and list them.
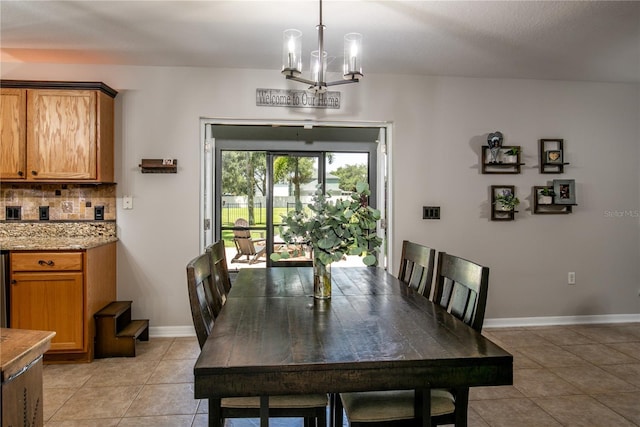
[
  {"x": 53, "y": 243},
  {"x": 63, "y": 235}
]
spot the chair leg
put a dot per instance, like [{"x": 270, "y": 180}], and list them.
[
  {"x": 337, "y": 410},
  {"x": 262, "y": 252},
  {"x": 462, "y": 403},
  {"x": 332, "y": 409},
  {"x": 321, "y": 419},
  {"x": 215, "y": 413}
]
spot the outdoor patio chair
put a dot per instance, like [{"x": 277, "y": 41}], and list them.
[{"x": 253, "y": 249}]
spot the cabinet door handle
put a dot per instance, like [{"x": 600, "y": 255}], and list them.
[
  {"x": 50, "y": 263},
  {"x": 14, "y": 282},
  {"x": 34, "y": 173},
  {"x": 20, "y": 173}
]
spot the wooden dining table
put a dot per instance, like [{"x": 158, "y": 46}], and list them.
[{"x": 375, "y": 333}]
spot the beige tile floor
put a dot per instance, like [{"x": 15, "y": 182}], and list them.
[{"x": 586, "y": 375}]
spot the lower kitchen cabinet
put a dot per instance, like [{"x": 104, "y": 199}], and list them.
[
  {"x": 54, "y": 301},
  {"x": 61, "y": 291}
]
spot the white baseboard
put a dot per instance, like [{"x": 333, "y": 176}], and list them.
[
  {"x": 560, "y": 320},
  {"x": 171, "y": 331},
  {"x": 188, "y": 331}
]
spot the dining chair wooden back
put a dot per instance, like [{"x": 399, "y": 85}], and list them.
[
  {"x": 461, "y": 288},
  {"x": 416, "y": 267},
  {"x": 219, "y": 269},
  {"x": 207, "y": 280},
  {"x": 204, "y": 296}
]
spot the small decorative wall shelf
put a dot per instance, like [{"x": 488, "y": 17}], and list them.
[
  {"x": 507, "y": 160},
  {"x": 552, "y": 156},
  {"x": 556, "y": 199},
  {"x": 159, "y": 166},
  {"x": 503, "y": 202}
]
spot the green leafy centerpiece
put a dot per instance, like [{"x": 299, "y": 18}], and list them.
[{"x": 332, "y": 229}]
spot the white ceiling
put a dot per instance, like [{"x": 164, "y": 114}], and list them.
[{"x": 567, "y": 40}]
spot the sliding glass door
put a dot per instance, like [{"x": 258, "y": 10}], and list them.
[
  {"x": 257, "y": 181},
  {"x": 242, "y": 212},
  {"x": 294, "y": 178}
]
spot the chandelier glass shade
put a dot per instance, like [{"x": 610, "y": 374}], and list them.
[
  {"x": 292, "y": 52},
  {"x": 292, "y": 59}
]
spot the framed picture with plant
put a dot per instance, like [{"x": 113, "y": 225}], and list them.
[
  {"x": 543, "y": 203},
  {"x": 503, "y": 202}
]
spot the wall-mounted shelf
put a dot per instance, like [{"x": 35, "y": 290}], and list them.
[
  {"x": 159, "y": 166},
  {"x": 498, "y": 212},
  {"x": 545, "y": 205},
  {"x": 504, "y": 163},
  {"x": 552, "y": 156}
]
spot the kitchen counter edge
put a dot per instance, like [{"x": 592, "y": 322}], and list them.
[{"x": 54, "y": 243}]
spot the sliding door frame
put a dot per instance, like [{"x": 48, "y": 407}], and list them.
[{"x": 383, "y": 166}]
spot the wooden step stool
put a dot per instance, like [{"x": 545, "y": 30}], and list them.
[{"x": 116, "y": 333}]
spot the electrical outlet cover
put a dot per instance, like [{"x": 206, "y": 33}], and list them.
[
  {"x": 99, "y": 213},
  {"x": 127, "y": 202}
]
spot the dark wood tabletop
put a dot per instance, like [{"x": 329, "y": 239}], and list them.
[{"x": 375, "y": 333}]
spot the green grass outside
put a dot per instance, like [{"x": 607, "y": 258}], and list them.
[{"x": 230, "y": 216}]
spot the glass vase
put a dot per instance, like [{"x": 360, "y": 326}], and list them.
[{"x": 321, "y": 279}]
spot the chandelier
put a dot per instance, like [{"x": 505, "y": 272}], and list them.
[{"x": 292, "y": 59}]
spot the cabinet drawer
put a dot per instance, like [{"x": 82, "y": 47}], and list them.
[{"x": 46, "y": 261}]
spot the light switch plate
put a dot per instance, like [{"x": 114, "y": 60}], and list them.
[{"x": 127, "y": 202}]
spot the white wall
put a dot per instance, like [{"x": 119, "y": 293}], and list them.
[{"x": 440, "y": 123}]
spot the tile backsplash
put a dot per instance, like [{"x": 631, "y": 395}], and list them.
[{"x": 66, "y": 202}]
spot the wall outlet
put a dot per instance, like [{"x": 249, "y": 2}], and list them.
[
  {"x": 571, "y": 278},
  {"x": 43, "y": 212},
  {"x": 431, "y": 212},
  {"x": 13, "y": 213},
  {"x": 127, "y": 202},
  {"x": 98, "y": 213}
]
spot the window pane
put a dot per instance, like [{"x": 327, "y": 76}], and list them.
[
  {"x": 345, "y": 170},
  {"x": 295, "y": 178},
  {"x": 243, "y": 209}
]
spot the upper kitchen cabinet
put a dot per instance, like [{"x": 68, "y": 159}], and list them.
[
  {"x": 67, "y": 135},
  {"x": 13, "y": 134}
]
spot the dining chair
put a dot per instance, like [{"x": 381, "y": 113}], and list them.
[
  {"x": 218, "y": 262},
  {"x": 206, "y": 301},
  {"x": 205, "y": 298},
  {"x": 461, "y": 288},
  {"x": 416, "y": 267}
]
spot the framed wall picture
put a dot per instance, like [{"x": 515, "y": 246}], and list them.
[
  {"x": 553, "y": 157},
  {"x": 503, "y": 202},
  {"x": 564, "y": 191}
]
